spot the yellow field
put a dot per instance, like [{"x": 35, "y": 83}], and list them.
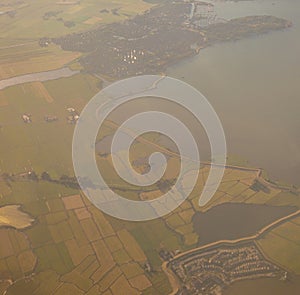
[
  {"x": 3, "y": 100},
  {"x": 123, "y": 284},
  {"x": 12, "y": 216},
  {"x": 146, "y": 196},
  {"x": 73, "y": 247},
  {"x": 101, "y": 260},
  {"x": 41, "y": 91},
  {"x": 190, "y": 239},
  {"x": 93, "y": 20},
  {"x": 110, "y": 278},
  {"x": 68, "y": 289},
  {"x": 4, "y": 188},
  {"x": 175, "y": 221},
  {"x": 113, "y": 243},
  {"x": 31, "y": 20},
  {"x": 121, "y": 257},
  {"x": 30, "y": 58},
  {"x": 77, "y": 253},
  {"x": 187, "y": 215},
  {"x": 131, "y": 246},
  {"x": 140, "y": 282},
  {"x": 281, "y": 250},
  {"x": 131, "y": 270},
  {"x": 16, "y": 257},
  {"x": 27, "y": 260},
  {"x": 262, "y": 198},
  {"x": 105, "y": 259},
  {"x": 90, "y": 229},
  {"x": 103, "y": 225}
]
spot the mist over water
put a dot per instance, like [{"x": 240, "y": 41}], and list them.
[{"x": 254, "y": 85}]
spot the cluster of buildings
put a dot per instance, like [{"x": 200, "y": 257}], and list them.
[
  {"x": 209, "y": 271},
  {"x": 143, "y": 44},
  {"x": 133, "y": 56},
  {"x": 72, "y": 118},
  {"x": 202, "y": 14},
  {"x": 26, "y": 118}
]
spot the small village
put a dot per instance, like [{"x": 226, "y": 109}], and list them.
[
  {"x": 210, "y": 271},
  {"x": 149, "y": 42}
]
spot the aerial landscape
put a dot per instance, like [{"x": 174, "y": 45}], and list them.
[{"x": 56, "y": 56}]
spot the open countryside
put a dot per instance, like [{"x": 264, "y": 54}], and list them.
[{"x": 54, "y": 57}]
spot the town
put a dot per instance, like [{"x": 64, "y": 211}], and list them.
[
  {"x": 149, "y": 42},
  {"x": 209, "y": 271}
]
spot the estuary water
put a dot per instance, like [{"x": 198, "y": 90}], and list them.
[
  {"x": 233, "y": 221},
  {"x": 254, "y": 85}
]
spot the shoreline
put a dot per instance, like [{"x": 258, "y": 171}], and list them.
[
  {"x": 173, "y": 278},
  {"x": 130, "y": 48}
]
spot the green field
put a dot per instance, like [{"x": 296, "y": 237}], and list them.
[
  {"x": 62, "y": 244},
  {"x": 26, "y": 22},
  {"x": 64, "y": 240},
  {"x": 84, "y": 252},
  {"x": 46, "y": 18},
  {"x": 31, "y": 58},
  {"x": 41, "y": 146},
  {"x": 282, "y": 245}
]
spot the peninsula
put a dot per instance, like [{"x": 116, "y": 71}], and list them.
[{"x": 148, "y": 43}]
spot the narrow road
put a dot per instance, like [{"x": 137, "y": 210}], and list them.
[{"x": 18, "y": 45}]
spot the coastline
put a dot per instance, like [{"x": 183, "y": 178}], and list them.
[{"x": 173, "y": 278}]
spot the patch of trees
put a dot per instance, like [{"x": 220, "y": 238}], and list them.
[
  {"x": 165, "y": 185},
  {"x": 69, "y": 24},
  {"x": 68, "y": 181},
  {"x": 50, "y": 14},
  {"x": 258, "y": 186}
]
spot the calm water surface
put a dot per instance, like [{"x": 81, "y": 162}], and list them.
[
  {"x": 254, "y": 85},
  {"x": 232, "y": 221},
  {"x": 266, "y": 287}
]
